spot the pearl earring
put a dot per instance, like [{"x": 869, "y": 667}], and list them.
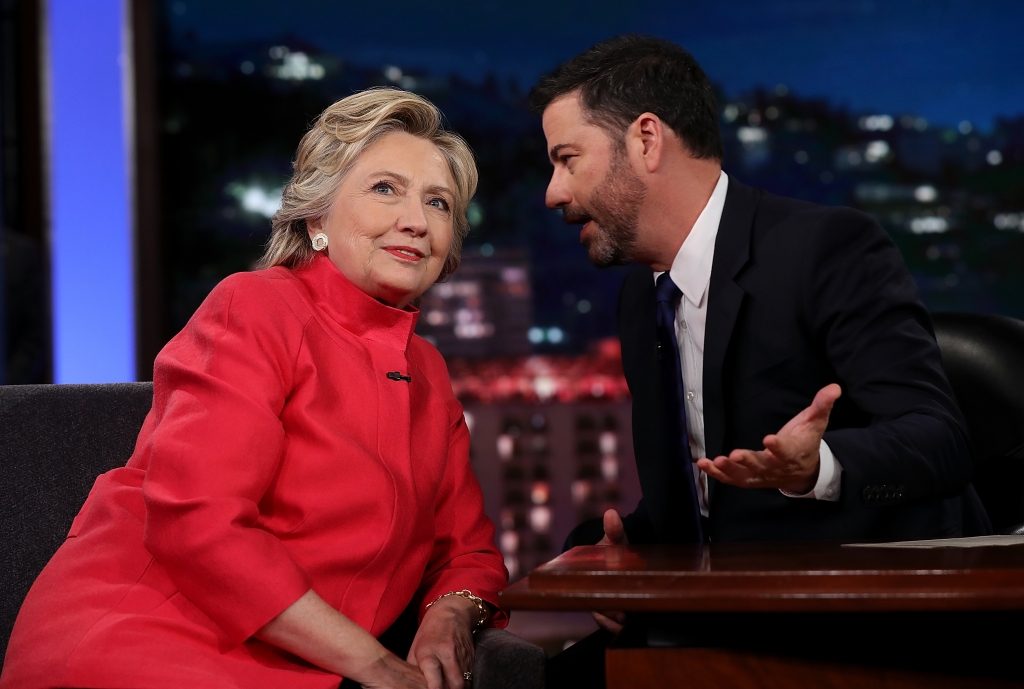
[{"x": 319, "y": 241}]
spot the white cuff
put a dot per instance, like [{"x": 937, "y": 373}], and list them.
[{"x": 830, "y": 474}]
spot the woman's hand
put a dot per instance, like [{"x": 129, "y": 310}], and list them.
[
  {"x": 312, "y": 629},
  {"x": 388, "y": 671},
  {"x": 443, "y": 647}
]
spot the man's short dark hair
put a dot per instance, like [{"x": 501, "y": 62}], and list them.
[{"x": 626, "y": 76}]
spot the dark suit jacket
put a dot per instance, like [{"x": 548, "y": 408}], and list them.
[{"x": 802, "y": 296}]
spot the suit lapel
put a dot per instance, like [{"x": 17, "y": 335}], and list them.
[{"x": 732, "y": 251}]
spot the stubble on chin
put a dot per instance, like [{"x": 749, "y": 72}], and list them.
[
  {"x": 615, "y": 205},
  {"x": 605, "y": 250}
]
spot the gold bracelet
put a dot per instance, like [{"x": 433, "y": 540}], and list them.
[{"x": 466, "y": 593}]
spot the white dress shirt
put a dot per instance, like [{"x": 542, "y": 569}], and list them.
[{"x": 691, "y": 271}]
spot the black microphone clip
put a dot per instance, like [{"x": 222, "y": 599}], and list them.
[{"x": 395, "y": 375}]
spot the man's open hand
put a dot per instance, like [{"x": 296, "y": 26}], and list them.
[{"x": 789, "y": 460}]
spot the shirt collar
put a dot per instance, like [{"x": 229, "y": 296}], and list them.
[
  {"x": 691, "y": 268},
  {"x": 354, "y": 309}
]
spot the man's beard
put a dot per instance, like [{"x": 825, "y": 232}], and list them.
[{"x": 615, "y": 209}]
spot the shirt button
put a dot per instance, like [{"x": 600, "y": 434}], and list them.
[
  {"x": 690, "y": 395},
  {"x": 829, "y": 492},
  {"x": 683, "y": 325}
]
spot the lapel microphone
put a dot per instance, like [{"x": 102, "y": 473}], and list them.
[{"x": 395, "y": 375}]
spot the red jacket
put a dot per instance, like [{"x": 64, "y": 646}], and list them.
[{"x": 278, "y": 456}]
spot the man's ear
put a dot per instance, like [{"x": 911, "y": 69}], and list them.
[{"x": 647, "y": 136}]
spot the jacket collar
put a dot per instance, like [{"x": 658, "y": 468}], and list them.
[{"x": 355, "y": 310}]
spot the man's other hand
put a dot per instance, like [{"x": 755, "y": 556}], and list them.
[
  {"x": 614, "y": 531},
  {"x": 614, "y": 534},
  {"x": 790, "y": 458}
]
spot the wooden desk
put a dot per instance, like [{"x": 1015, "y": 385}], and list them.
[{"x": 796, "y": 614}]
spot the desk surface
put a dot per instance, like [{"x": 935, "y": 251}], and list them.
[{"x": 774, "y": 577}]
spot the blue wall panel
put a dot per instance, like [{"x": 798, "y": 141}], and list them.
[{"x": 93, "y": 318}]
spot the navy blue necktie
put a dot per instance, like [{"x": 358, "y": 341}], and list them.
[{"x": 675, "y": 398}]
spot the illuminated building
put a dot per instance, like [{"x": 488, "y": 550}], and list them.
[
  {"x": 551, "y": 445},
  {"x": 482, "y": 310}
]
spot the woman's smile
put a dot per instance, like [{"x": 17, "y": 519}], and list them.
[{"x": 405, "y": 253}]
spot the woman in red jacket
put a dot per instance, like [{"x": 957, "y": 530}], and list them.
[{"x": 303, "y": 475}]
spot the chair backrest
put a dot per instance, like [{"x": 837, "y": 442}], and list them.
[
  {"x": 983, "y": 356},
  {"x": 54, "y": 441}
]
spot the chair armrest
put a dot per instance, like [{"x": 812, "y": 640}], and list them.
[{"x": 504, "y": 661}]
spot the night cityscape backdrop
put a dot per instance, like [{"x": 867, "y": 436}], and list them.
[{"x": 910, "y": 111}]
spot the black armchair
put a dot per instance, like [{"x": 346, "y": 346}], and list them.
[
  {"x": 56, "y": 439},
  {"x": 983, "y": 356}
]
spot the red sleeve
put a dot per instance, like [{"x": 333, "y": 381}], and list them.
[
  {"x": 219, "y": 388},
  {"x": 464, "y": 555}
]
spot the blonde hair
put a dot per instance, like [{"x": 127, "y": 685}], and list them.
[{"x": 329, "y": 150}]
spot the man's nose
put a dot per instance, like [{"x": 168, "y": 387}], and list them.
[{"x": 558, "y": 194}]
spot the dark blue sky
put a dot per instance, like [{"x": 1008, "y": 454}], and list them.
[{"x": 946, "y": 60}]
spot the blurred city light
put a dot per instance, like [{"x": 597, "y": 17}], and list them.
[
  {"x": 545, "y": 387},
  {"x": 926, "y": 193},
  {"x": 876, "y": 151},
  {"x": 609, "y": 443},
  {"x": 509, "y": 541},
  {"x": 1009, "y": 221},
  {"x": 994, "y": 157},
  {"x": 540, "y": 519},
  {"x": 296, "y": 66},
  {"x": 929, "y": 225},
  {"x": 751, "y": 135},
  {"x": 256, "y": 199},
  {"x": 609, "y": 467},
  {"x": 876, "y": 123},
  {"x": 475, "y": 215},
  {"x": 506, "y": 445},
  {"x": 540, "y": 493}
]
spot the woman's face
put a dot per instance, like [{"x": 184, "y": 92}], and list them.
[{"x": 390, "y": 227}]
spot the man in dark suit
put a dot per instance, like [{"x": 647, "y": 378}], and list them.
[{"x": 785, "y": 378}]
